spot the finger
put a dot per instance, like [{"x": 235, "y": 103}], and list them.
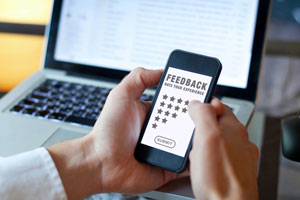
[
  {"x": 228, "y": 114},
  {"x": 137, "y": 81},
  {"x": 185, "y": 173},
  {"x": 169, "y": 176},
  {"x": 147, "y": 105},
  {"x": 217, "y": 104},
  {"x": 228, "y": 118},
  {"x": 228, "y": 121},
  {"x": 255, "y": 149},
  {"x": 204, "y": 117}
]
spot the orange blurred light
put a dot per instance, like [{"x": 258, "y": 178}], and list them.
[
  {"x": 25, "y": 11},
  {"x": 20, "y": 56}
]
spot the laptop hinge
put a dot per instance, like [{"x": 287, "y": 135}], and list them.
[
  {"x": 93, "y": 77},
  {"x": 55, "y": 71}
]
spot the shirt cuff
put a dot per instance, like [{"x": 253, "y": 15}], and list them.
[{"x": 30, "y": 175}]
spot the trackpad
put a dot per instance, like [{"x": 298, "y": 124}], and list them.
[{"x": 61, "y": 135}]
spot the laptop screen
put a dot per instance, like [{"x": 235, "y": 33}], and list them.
[{"x": 123, "y": 35}]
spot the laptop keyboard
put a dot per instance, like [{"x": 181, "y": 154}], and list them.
[{"x": 65, "y": 101}]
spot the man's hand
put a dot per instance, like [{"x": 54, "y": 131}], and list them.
[
  {"x": 117, "y": 131},
  {"x": 103, "y": 161},
  {"x": 223, "y": 162}
]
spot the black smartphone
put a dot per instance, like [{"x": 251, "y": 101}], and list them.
[{"x": 166, "y": 136}]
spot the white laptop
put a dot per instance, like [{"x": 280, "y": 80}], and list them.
[{"x": 91, "y": 45}]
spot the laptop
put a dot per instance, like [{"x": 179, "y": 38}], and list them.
[{"x": 91, "y": 45}]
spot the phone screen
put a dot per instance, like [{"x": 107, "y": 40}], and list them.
[{"x": 170, "y": 128}]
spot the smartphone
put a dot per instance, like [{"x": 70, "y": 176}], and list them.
[{"x": 166, "y": 135}]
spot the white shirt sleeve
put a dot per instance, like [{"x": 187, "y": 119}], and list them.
[{"x": 30, "y": 175}]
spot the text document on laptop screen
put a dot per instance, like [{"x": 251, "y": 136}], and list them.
[{"x": 123, "y": 35}]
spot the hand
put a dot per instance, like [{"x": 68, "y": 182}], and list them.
[
  {"x": 116, "y": 134},
  {"x": 103, "y": 161},
  {"x": 223, "y": 162}
]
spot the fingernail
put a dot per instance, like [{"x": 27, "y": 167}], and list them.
[{"x": 194, "y": 102}]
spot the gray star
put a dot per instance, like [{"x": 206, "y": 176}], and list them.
[
  {"x": 172, "y": 99},
  {"x": 174, "y": 115},
  {"x": 159, "y": 111},
  {"x": 177, "y": 108},
  {"x": 162, "y": 104},
  {"x": 186, "y": 102},
  {"x": 157, "y": 118},
  {"x": 165, "y": 97},
  {"x": 179, "y": 100},
  {"x": 170, "y": 106},
  {"x": 184, "y": 110},
  {"x": 164, "y": 120},
  {"x": 154, "y": 125},
  {"x": 167, "y": 113}
]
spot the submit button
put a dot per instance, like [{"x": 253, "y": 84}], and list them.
[{"x": 164, "y": 141}]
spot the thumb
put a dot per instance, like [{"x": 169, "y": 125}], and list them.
[{"x": 137, "y": 81}]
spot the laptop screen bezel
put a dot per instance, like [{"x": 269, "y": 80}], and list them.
[{"x": 248, "y": 93}]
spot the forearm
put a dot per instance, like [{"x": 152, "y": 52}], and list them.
[{"x": 78, "y": 167}]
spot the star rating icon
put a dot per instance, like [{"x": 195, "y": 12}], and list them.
[
  {"x": 154, "y": 125},
  {"x": 170, "y": 106},
  {"x": 165, "y": 97},
  {"x": 179, "y": 101},
  {"x": 167, "y": 113},
  {"x": 177, "y": 108},
  {"x": 157, "y": 118},
  {"x": 162, "y": 104},
  {"x": 174, "y": 115},
  {"x": 172, "y": 99},
  {"x": 186, "y": 102},
  {"x": 184, "y": 110},
  {"x": 164, "y": 120},
  {"x": 159, "y": 111}
]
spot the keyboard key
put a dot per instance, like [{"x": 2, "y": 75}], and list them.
[
  {"x": 39, "y": 105},
  {"x": 66, "y": 111},
  {"x": 29, "y": 111},
  {"x": 27, "y": 102},
  {"x": 78, "y": 114},
  {"x": 17, "y": 108},
  {"x": 81, "y": 120},
  {"x": 35, "y": 97},
  {"x": 144, "y": 97},
  {"x": 58, "y": 116},
  {"x": 42, "y": 92},
  {"x": 60, "y": 100},
  {"x": 50, "y": 82},
  {"x": 105, "y": 91},
  {"x": 42, "y": 113}
]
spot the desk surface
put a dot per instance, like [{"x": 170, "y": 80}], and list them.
[{"x": 269, "y": 166}]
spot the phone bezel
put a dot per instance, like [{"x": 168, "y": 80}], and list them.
[{"x": 189, "y": 62}]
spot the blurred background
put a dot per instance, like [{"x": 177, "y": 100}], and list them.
[
  {"x": 279, "y": 93},
  {"x": 22, "y": 26}
]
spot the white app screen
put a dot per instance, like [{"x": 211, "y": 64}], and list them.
[{"x": 170, "y": 128}]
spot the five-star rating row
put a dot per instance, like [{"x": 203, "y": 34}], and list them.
[
  {"x": 159, "y": 111},
  {"x": 172, "y": 99}
]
